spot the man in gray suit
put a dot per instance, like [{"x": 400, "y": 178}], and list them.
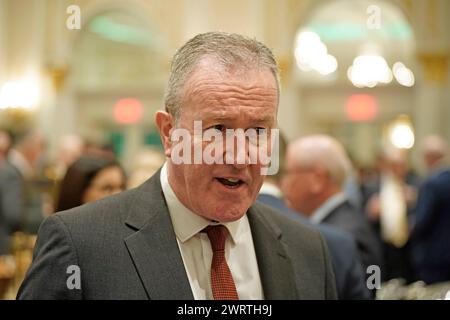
[{"x": 193, "y": 230}]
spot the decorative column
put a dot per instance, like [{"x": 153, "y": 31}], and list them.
[
  {"x": 432, "y": 91},
  {"x": 22, "y": 40},
  {"x": 3, "y": 34},
  {"x": 431, "y": 115}
]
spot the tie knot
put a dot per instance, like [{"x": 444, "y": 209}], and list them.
[{"x": 217, "y": 236}]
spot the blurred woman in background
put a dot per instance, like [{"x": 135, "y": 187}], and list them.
[{"x": 88, "y": 179}]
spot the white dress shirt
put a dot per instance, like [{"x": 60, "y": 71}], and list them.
[{"x": 196, "y": 251}]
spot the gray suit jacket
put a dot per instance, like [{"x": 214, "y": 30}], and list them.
[{"x": 126, "y": 248}]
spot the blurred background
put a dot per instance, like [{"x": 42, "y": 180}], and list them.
[{"x": 84, "y": 79}]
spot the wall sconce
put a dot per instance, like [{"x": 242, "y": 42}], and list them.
[{"x": 58, "y": 75}]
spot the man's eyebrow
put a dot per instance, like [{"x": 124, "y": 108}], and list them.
[
  {"x": 220, "y": 117},
  {"x": 225, "y": 117},
  {"x": 264, "y": 119}
]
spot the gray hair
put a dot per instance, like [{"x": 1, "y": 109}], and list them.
[
  {"x": 228, "y": 49},
  {"x": 326, "y": 152}
]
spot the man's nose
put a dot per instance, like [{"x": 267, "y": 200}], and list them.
[{"x": 237, "y": 152}]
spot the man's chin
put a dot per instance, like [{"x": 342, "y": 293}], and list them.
[{"x": 228, "y": 214}]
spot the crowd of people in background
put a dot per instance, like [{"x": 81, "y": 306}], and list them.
[
  {"x": 387, "y": 216},
  {"x": 32, "y": 187}
]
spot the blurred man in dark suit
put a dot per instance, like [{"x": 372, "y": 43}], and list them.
[
  {"x": 431, "y": 234},
  {"x": 350, "y": 279},
  {"x": 391, "y": 200},
  {"x": 11, "y": 205},
  {"x": 5, "y": 145},
  {"x": 25, "y": 156},
  {"x": 316, "y": 168}
]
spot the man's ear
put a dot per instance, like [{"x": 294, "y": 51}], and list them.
[
  {"x": 165, "y": 123},
  {"x": 319, "y": 180}
]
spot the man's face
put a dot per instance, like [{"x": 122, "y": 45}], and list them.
[{"x": 242, "y": 99}]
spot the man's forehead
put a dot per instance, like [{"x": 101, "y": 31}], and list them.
[
  {"x": 219, "y": 83},
  {"x": 252, "y": 88},
  {"x": 219, "y": 94},
  {"x": 209, "y": 69}
]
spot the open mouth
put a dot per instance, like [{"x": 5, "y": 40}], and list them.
[{"x": 230, "y": 183}]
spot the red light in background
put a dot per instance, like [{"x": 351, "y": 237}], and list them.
[
  {"x": 128, "y": 111},
  {"x": 361, "y": 107}
]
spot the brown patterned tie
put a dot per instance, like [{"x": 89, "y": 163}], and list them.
[{"x": 222, "y": 283}]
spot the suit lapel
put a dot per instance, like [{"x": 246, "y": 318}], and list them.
[
  {"x": 154, "y": 248},
  {"x": 275, "y": 268}
]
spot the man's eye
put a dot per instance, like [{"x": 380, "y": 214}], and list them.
[
  {"x": 261, "y": 130},
  {"x": 218, "y": 127},
  {"x": 257, "y": 130}
]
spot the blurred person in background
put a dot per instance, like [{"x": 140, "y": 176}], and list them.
[
  {"x": 25, "y": 156},
  {"x": 316, "y": 170},
  {"x": 10, "y": 194},
  {"x": 89, "y": 179},
  {"x": 351, "y": 188},
  {"x": 434, "y": 151},
  {"x": 350, "y": 278},
  {"x": 5, "y": 145},
  {"x": 430, "y": 238},
  {"x": 71, "y": 147},
  {"x": 145, "y": 164},
  {"x": 99, "y": 149},
  {"x": 390, "y": 208}
]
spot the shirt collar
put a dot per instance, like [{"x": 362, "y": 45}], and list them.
[
  {"x": 185, "y": 222},
  {"x": 326, "y": 208}
]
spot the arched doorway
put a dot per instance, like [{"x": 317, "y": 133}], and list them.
[{"x": 117, "y": 78}]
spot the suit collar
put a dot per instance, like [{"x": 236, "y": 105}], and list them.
[
  {"x": 148, "y": 193},
  {"x": 276, "y": 270},
  {"x": 154, "y": 248}
]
